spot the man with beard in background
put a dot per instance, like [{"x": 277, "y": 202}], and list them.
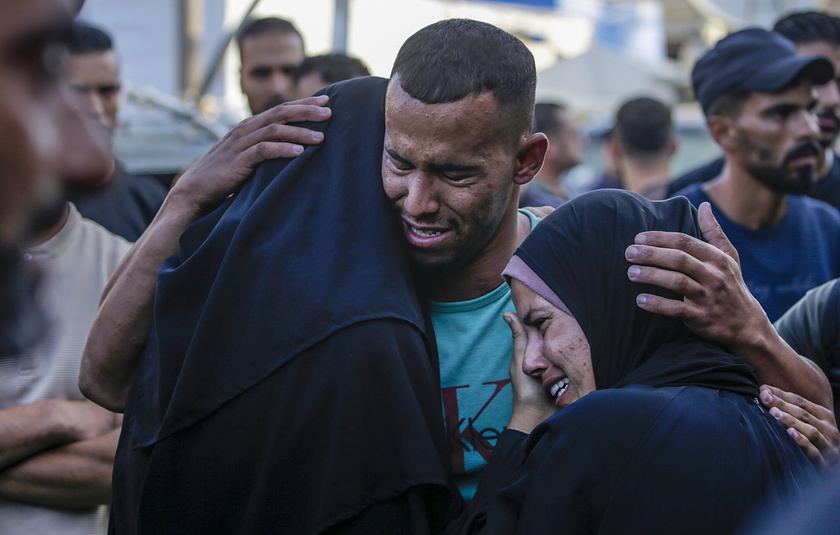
[
  {"x": 813, "y": 33},
  {"x": 764, "y": 122}
]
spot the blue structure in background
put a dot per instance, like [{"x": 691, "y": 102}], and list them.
[
  {"x": 532, "y": 3},
  {"x": 629, "y": 29}
]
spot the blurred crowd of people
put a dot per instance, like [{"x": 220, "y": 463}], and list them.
[{"x": 379, "y": 310}]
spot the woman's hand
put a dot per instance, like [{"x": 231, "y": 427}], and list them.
[{"x": 531, "y": 404}]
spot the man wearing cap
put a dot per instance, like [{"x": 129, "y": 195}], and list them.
[
  {"x": 812, "y": 32},
  {"x": 757, "y": 94}
]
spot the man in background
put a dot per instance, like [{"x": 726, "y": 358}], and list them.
[
  {"x": 59, "y": 484},
  {"x": 763, "y": 122},
  {"x": 121, "y": 202},
  {"x": 813, "y": 33},
  {"x": 641, "y": 144},
  {"x": 270, "y": 50},
  {"x": 565, "y": 150},
  {"x": 317, "y": 72},
  {"x": 43, "y": 139}
]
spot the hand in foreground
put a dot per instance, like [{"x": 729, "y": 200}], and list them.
[
  {"x": 223, "y": 169},
  {"x": 717, "y": 304},
  {"x": 812, "y": 426},
  {"x": 531, "y": 404}
]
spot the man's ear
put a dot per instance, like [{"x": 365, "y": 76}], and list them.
[
  {"x": 613, "y": 150},
  {"x": 530, "y": 157},
  {"x": 673, "y": 147},
  {"x": 722, "y": 129}
]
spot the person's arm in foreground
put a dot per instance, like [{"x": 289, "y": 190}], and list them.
[
  {"x": 73, "y": 476},
  {"x": 57, "y": 453},
  {"x": 717, "y": 304},
  {"x": 32, "y": 428},
  {"x": 122, "y": 324}
]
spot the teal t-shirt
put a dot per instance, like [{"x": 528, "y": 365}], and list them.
[{"x": 474, "y": 347}]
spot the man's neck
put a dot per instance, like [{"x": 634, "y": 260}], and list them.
[
  {"x": 483, "y": 274},
  {"x": 549, "y": 179},
  {"x": 744, "y": 200},
  {"x": 113, "y": 176},
  {"x": 642, "y": 177}
]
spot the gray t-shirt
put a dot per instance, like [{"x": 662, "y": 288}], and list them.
[
  {"x": 801, "y": 325},
  {"x": 75, "y": 264}
]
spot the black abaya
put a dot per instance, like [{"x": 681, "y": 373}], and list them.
[{"x": 289, "y": 385}]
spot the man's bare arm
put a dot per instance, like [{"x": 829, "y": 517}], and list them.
[
  {"x": 32, "y": 428},
  {"x": 122, "y": 324},
  {"x": 74, "y": 476},
  {"x": 717, "y": 304}
]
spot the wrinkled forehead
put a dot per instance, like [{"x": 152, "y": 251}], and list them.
[
  {"x": 93, "y": 67},
  {"x": 801, "y": 95},
  {"x": 272, "y": 48},
  {"x": 473, "y": 121}
]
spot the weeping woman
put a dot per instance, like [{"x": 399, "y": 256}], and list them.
[{"x": 648, "y": 428}]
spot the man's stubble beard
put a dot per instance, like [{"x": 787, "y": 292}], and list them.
[{"x": 778, "y": 178}]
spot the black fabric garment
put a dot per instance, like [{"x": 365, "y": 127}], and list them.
[
  {"x": 826, "y": 189},
  {"x": 287, "y": 385},
  {"x": 125, "y": 206},
  {"x": 673, "y": 440},
  {"x": 816, "y": 513},
  {"x": 638, "y": 459},
  {"x": 344, "y": 438}
]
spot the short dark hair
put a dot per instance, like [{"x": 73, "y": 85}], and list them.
[
  {"x": 810, "y": 27},
  {"x": 332, "y": 68},
  {"x": 253, "y": 27},
  {"x": 730, "y": 104},
  {"x": 86, "y": 39},
  {"x": 456, "y": 58},
  {"x": 643, "y": 127},
  {"x": 546, "y": 119}
]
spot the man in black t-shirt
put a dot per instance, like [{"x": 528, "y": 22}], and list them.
[{"x": 123, "y": 203}]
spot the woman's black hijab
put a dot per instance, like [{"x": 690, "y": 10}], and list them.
[
  {"x": 308, "y": 248},
  {"x": 578, "y": 252}
]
